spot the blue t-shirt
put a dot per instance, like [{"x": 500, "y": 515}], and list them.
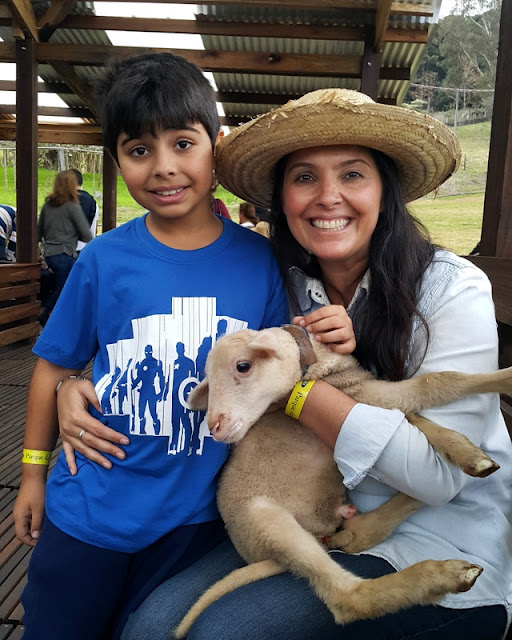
[{"x": 149, "y": 315}]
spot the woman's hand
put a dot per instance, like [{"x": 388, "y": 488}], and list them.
[
  {"x": 80, "y": 431},
  {"x": 331, "y": 325}
]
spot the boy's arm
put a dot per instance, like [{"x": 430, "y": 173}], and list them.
[{"x": 41, "y": 431}]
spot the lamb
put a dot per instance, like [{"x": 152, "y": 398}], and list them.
[{"x": 281, "y": 491}]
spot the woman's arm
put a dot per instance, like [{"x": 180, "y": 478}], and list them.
[
  {"x": 381, "y": 443},
  {"x": 73, "y": 400}
]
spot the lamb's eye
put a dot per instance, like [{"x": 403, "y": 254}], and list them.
[{"x": 243, "y": 366}]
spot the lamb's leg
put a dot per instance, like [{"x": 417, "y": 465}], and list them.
[
  {"x": 431, "y": 389},
  {"x": 456, "y": 448},
  {"x": 347, "y": 596},
  {"x": 365, "y": 530}
]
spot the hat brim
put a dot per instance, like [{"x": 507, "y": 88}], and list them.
[{"x": 425, "y": 151}]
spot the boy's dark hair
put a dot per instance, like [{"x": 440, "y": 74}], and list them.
[
  {"x": 400, "y": 251},
  {"x": 153, "y": 91},
  {"x": 79, "y": 178}
]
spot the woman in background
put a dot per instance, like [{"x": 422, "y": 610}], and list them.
[{"x": 61, "y": 224}]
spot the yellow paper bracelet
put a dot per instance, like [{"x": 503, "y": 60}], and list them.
[
  {"x": 33, "y": 456},
  {"x": 298, "y": 398}
]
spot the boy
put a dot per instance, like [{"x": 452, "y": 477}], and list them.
[
  {"x": 145, "y": 301},
  {"x": 89, "y": 207}
]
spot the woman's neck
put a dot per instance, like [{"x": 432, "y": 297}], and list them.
[{"x": 340, "y": 283}]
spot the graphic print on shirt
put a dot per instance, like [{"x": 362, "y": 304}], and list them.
[{"x": 152, "y": 373}]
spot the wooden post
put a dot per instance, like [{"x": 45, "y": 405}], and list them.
[
  {"x": 26, "y": 151},
  {"x": 109, "y": 213},
  {"x": 370, "y": 66},
  {"x": 497, "y": 221}
]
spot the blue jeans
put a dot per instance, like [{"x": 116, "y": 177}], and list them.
[
  {"x": 77, "y": 591},
  {"x": 61, "y": 266},
  {"x": 285, "y": 608}
]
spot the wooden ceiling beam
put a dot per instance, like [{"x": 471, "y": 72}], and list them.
[
  {"x": 66, "y": 112},
  {"x": 75, "y": 83},
  {"x": 54, "y": 15},
  {"x": 243, "y": 29},
  {"x": 24, "y": 16},
  {"x": 327, "y": 5},
  {"x": 57, "y": 133},
  {"x": 221, "y": 61},
  {"x": 381, "y": 23}
]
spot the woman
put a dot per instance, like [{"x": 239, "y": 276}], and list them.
[
  {"x": 346, "y": 241},
  {"x": 247, "y": 215},
  {"x": 61, "y": 224}
]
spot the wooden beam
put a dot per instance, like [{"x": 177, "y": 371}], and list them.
[
  {"x": 26, "y": 151},
  {"x": 370, "y": 66},
  {"x": 381, "y": 23},
  {"x": 63, "y": 112},
  {"x": 214, "y": 28},
  {"x": 54, "y": 15},
  {"x": 74, "y": 82},
  {"x": 223, "y": 61},
  {"x": 497, "y": 220},
  {"x": 326, "y": 5},
  {"x": 24, "y": 15}
]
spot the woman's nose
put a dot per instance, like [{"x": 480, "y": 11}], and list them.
[{"x": 330, "y": 194}]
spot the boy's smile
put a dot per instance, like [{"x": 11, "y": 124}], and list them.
[{"x": 170, "y": 175}]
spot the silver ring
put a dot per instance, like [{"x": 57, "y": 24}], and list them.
[{"x": 82, "y": 431}]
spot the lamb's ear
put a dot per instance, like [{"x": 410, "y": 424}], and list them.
[
  {"x": 266, "y": 344},
  {"x": 197, "y": 399}
]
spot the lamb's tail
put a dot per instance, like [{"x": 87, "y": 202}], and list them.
[{"x": 235, "y": 579}]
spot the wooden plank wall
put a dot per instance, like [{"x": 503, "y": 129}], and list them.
[{"x": 19, "y": 306}]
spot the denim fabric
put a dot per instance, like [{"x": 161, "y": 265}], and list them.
[
  {"x": 77, "y": 591},
  {"x": 61, "y": 266},
  {"x": 285, "y": 608}
]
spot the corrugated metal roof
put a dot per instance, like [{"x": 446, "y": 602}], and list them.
[{"x": 394, "y": 55}]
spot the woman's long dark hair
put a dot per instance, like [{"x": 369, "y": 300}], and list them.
[{"x": 400, "y": 251}]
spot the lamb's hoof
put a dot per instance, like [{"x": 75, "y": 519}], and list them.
[
  {"x": 484, "y": 468},
  {"x": 466, "y": 575},
  {"x": 339, "y": 540}
]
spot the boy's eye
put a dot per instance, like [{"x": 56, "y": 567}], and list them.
[
  {"x": 183, "y": 144},
  {"x": 139, "y": 151}
]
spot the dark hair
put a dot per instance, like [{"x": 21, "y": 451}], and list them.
[
  {"x": 247, "y": 210},
  {"x": 78, "y": 177},
  {"x": 147, "y": 92},
  {"x": 400, "y": 251}
]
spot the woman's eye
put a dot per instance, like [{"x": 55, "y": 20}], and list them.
[
  {"x": 184, "y": 144},
  {"x": 243, "y": 366},
  {"x": 353, "y": 174},
  {"x": 303, "y": 177}
]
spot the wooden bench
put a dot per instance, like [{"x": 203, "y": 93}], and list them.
[{"x": 19, "y": 306}]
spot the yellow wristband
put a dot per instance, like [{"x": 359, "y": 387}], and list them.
[
  {"x": 298, "y": 398},
  {"x": 33, "y": 456}
]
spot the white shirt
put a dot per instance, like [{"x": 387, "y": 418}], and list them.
[{"x": 378, "y": 451}]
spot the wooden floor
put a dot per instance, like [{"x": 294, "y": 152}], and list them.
[{"x": 16, "y": 366}]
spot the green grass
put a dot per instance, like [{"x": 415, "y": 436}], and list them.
[{"x": 454, "y": 220}]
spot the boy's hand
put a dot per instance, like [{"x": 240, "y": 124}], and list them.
[
  {"x": 80, "y": 431},
  {"x": 332, "y": 326},
  {"x": 29, "y": 508}
]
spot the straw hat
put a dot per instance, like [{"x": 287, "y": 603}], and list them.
[{"x": 425, "y": 151}]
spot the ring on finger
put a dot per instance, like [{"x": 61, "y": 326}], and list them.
[{"x": 82, "y": 431}]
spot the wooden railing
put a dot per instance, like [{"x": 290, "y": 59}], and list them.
[{"x": 19, "y": 305}]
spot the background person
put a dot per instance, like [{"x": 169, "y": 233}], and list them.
[
  {"x": 61, "y": 224},
  {"x": 7, "y": 233},
  {"x": 247, "y": 216},
  {"x": 89, "y": 207}
]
